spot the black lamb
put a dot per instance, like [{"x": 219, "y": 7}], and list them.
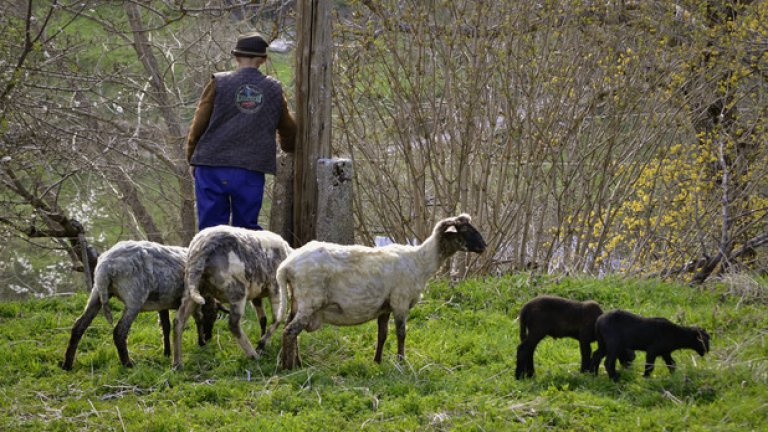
[
  {"x": 558, "y": 317},
  {"x": 620, "y": 330}
]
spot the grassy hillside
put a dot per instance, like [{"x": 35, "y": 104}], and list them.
[{"x": 458, "y": 373}]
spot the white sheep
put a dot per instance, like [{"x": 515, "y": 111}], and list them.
[
  {"x": 349, "y": 285},
  {"x": 233, "y": 265},
  {"x": 146, "y": 276}
]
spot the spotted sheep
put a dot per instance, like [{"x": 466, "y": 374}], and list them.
[
  {"x": 346, "y": 285},
  {"x": 556, "y": 317},
  {"x": 658, "y": 337},
  {"x": 145, "y": 276},
  {"x": 233, "y": 265}
]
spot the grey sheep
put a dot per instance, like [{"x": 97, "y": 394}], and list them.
[
  {"x": 233, "y": 265},
  {"x": 145, "y": 276}
]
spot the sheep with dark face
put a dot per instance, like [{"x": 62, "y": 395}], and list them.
[
  {"x": 233, "y": 265},
  {"x": 145, "y": 276},
  {"x": 348, "y": 285},
  {"x": 558, "y": 318},
  {"x": 619, "y": 330}
]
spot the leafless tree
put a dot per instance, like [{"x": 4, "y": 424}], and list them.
[
  {"x": 94, "y": 107},
  {"x": 544, "y": 121}
]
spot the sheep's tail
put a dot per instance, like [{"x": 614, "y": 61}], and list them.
[
  {"x": 196, "y": 261},
  {"x": 523, "y": 324},
  {"x": 101, "y": 281},
  {"x": 282, "y": 290}
]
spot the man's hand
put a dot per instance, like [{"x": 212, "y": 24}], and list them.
[{"x": 192, "y": 171}]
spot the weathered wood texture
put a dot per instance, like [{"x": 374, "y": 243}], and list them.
[
  {"x": 313, "y": 113},
  {"x": 281, "y": 213}
]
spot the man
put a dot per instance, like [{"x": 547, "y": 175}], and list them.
[{"x": 231, "y": 143}]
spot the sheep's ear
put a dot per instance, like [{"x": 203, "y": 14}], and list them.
[
  {"x": 450, "y": 224},
  {"x": 445, "y": 225}
]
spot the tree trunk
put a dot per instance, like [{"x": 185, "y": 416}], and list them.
[{"x": 313, "y": 111}]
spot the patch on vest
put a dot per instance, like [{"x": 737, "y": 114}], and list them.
[{"x": 249, "y": 98}]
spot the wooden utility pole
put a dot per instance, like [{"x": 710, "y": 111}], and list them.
[{"x": 313, "y": 111}]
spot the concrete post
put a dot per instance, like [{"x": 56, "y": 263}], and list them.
[{"x": 335, "y": 222}]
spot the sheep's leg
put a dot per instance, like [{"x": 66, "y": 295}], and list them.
[
  {"x": 610, "y": 364},
  {"x": 79, "y": 328},
  {"x": 532, "y": 342},
  {"x": 520, "y": 367},
  {"x": 400, "y": 320},
  {"x": 257, "y": 304},
  {"x": 165, "y": 324},
  {"x": 597, "y": 357},
  {"x": 188, "y": 307},
  {"x": 650, "y": 360},
  {"x": 276, "y": 321},
  {"x": 236, "y": 311},
  {"x": 205, "y": 317},
  {"x": 383, "y": 321},
  {"x": 290, "y": 358},
  {"x": 670, "y": 362},
  {"x": 294, "y": 308},
  {"x": 120, "y": 335},
  {"x": 525, "y": 352},
  {"x": 586, "y": 354},
  {"x": 625, "y": 357}
]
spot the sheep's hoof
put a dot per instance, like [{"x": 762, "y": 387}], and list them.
[
  {"x": 177, "y": 366},
  {"x": 128, "y": 364},
  {"x": 65, "y": 366},
  {"x": 523, "y": 373}
]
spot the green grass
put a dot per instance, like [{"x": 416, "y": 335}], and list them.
[{"x": 458, "y": 373}]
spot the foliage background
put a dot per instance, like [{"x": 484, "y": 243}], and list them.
[
  {"x": 585, "y": 136},
  {"x": 598, "y": 137}
]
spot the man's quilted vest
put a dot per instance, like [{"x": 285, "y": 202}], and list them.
[{"x": 241, "y": 132}]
